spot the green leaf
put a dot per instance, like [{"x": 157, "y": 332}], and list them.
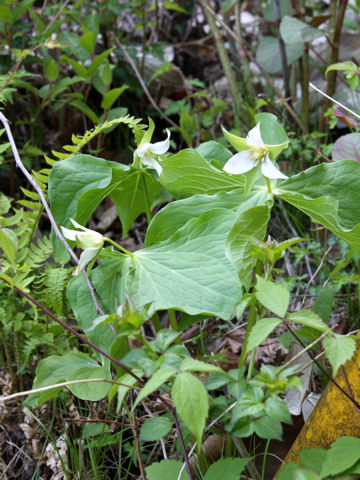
[
  {"x": 51, "y": 70},
  {"x": 329, "y": 194},
  {"x": 272, "y": 133},
  {"x": 269, "y": 57},
  {"x": 88, "y": 40},
  {"x": 108, "y": 285},
  {"x": 55, "y": 369},
  {"x": 227, "y": 468},
  {"x": 344, "y": 67},
  {"x": 9, "y": 243},
  {"x": 98, "y": 61},
  {"x": 250, "y": 223},
  {"x": 155, "y": 428},
  {"x": 343, "y": 454},
  {"x": 126, "y": 379},
  {"x": 174, "y": 6},
  {"x": 5, "y": 14},
  {"x": 338, "y": 350},
  {"x": 111, "y": 96},
  {"x": 166, "y": 470},
  {"x": 83, "y": 107},
  {"x": 308, "y": 318},
  {"x": 193, "y": 365},
  {"x": 176, "y": 214},
  {"x": 91, "y": 391},
  {"x": 187, "y": 173},
  {"x": 274, "y": 297},
  {"x": 214, "y": 151},
  {"x": 191, "y": 402},
  {"x": 164, "y": 67},
  {"x": 313, "y": 458},
  {"x": 293, "y": 31},
  {"x": 176, "y": 273},
  {"x": 277, "y": 408},
  {"x": 79, "y": 183},
  {"x": 154, "y": 383},
  {"x": 260, "y": 331},
  {"x": 268, "y": 427}
]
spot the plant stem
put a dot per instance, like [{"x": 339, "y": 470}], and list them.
[
  {"x": 239, "y": 112},
  {"x": 335, "y": 40},
  {"x": 251, "y": 323},
  {"x": 186, "y": 458},
  {"x": 156, "y": 322},
  {"x": 174, "y": 324},
  {"x": 74, "y": 332},
  {"x": 264, "y": 459},
  {"x": 147, "y": 203},
  {"x": 119, "y": 247}
]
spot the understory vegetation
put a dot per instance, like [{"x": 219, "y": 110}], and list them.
[{"x": 180, "y": 239}]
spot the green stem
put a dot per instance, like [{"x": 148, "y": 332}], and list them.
[
  {"x": 268, "y": 184},
  {"x": 239, "y": 112},
  {"x": 119, "y": 247},
  {"x": 147, "y": 344},
  {"x": 156, "y": 322},
  {"x": 264, "y": 459},
  {"x": 251, "y": 323},
  {"x": 173, "y": 323},
  {"x": 147, "y": 202},
  {"x": 251, "y": 364}
]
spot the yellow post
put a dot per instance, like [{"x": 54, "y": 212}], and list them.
[{"x": 334, "y": 416}]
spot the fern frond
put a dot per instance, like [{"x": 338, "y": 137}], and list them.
[
  {"x": 79, "y": 141},
  {"x": 39, "y": 252},
  {"x": 55, "y": 282}
]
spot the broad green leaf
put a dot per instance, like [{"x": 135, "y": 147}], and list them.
[
  {"x": 308, "y": 318},
  {"x": 268, "y": 427},
  {"x": 154, "y": 383},
  {"x": 277, "y": 408},
  {"x": 98, "y": 61},
  {"x": 55, "y": 369},
  {"x": 5, "y": 14},
  {"x": 191, "y": 403},
  {"x": 108, "y": 285},
  {"x": 111, "y": 96},
  {"x": 347, "y": 147},
  {"x": 250, "y": 223},
  {"x": 260, "y": 331},
  {"x": 79, "y": 183},
  {"x": 338, "y": 350},
  {"x": 217, "y": 380},
  {"x": 214, "y": 151},
  {"x": 176, "y": 214},
  {"x": 239, "y": 143},
  {"x": 274, "y": 297},
  {"x": 180, "y": 273},
  {"x": 166, "y": 470},
  {"x": 294, "y": 31},
  {"x": 343, "y": 454},
  {"x": 313, "y": 458},
  {"x": 193, "y": 365},
  {"x": 91, "y": 391},
  {"x": 88, "y": 40},
  {"x": 268, "y": 54},
  {"x": 329, "y": 193},
  {"x": 187, "y": 173},
  {"x": 226, "y": 468},
  {"x": 155, "y": 428}
]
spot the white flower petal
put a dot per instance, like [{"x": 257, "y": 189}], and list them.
[
  {"x": 254, "y": 139},
  {"x": 90, "y": 239},
  {"x": 80, "y": 227},
  {"x": 240, "y": 163},
  {"x": 69, "y": 234},
  {"x": 159, "y": 148},
  {"x": 144, "y": 149},
  {"x": 269, "y": 170},
  {"x": 151, "y": 162},
  {"x": 87, "y": 255}
]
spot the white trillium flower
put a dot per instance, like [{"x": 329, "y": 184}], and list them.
[
  {"x": 148, "y": 152},
  {"x": 91, "y": 241},
  {"x": 256, "y": 151}
]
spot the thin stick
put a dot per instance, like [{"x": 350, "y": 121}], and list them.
[
  {"x": 333, "y": 100},
  {"x": 74, "y": 332},
  {"x": 142, "y": 83},
  {"x": 63, "y": 384},
  {"x": 314, "y": 275},
  {"x": 186, "y": 458},
  {"x": 38, "y": 190}
]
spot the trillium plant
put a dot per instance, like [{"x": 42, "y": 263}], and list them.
[
  {"x": 251, "y": 153},
  {"x": 205, "y": 255}
]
